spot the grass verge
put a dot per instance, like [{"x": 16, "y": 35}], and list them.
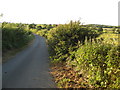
[{"x": 11, "y": 53}]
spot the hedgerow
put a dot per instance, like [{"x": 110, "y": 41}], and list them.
[
  {"x": 101, "y": 63},
  {"x": 78, "y": 47},
  {"x": 64, "y": 39},
  {"x": 14, "y": 37}
]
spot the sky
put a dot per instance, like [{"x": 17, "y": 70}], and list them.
[{"x": 60, "y": 11}]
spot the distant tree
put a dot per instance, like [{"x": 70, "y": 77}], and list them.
[
  {"x": 49, "y": 26},
  {"x": 44, "y": 26},
  {"x": 118, "y": 30},
  {"x": 114, "y": 29},
  {"x": 4, "y": 24},
  {"x": 54, "y": 25},
  {"x": 32, "y": 26},
  {"x": 100, "y": 29},
  {"x": 39, "y": 27}
]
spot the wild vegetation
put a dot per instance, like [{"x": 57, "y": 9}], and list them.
[
  {"x": 14, "y": 35},
  {"x": 85, "y": 56},
  {"x": 87, "y": 51}
]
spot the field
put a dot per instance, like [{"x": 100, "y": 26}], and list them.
[{"x": 110, "y": 38}]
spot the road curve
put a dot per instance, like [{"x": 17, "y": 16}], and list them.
[{"x": 29, "y": 68}]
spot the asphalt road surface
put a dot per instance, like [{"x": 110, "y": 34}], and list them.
[{"x": 29, "y": 68}]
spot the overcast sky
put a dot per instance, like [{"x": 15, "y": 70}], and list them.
[{"x": 60, "y": 11}]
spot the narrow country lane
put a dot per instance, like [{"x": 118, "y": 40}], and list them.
[{"x": 29, "y": 68}]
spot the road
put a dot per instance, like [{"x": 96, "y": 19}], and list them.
[{"x": 29, "y": 68}]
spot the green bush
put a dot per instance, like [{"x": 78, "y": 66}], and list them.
[
  {"x": 14, "y": 38},
  {"x": 63, "y": 39},
  {"x": 42, "y": 32},
  {"x": 78, "y": 46},
  {"x": 101, "y": 62}
]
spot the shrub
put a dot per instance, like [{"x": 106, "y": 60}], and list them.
[
  {"x": 63, "y": 39},
  {"x": 42, "y": 32},
  {"x": 100, "y": 62},
  {"x": 14, "y": 38}
]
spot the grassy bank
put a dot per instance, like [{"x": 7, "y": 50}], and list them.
[
  {"x": 11, "y": 53},
  {"x": 14, "y": 38}
]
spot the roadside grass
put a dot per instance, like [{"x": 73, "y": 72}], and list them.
[{"x": 11, "y": 53}]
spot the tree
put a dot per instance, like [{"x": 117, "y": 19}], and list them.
[
  {"x": 100, "y": 29},
  {"x": 44, "y": 26},
  {"x": 114, "y": 29},
  {"x": 32, "y": 26},
  {"x": 4, "y": 24},
  {"x": 54, "y": 25},
  {"x": 49, "y": 26},
  {"x": 39, "y": 27}
]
